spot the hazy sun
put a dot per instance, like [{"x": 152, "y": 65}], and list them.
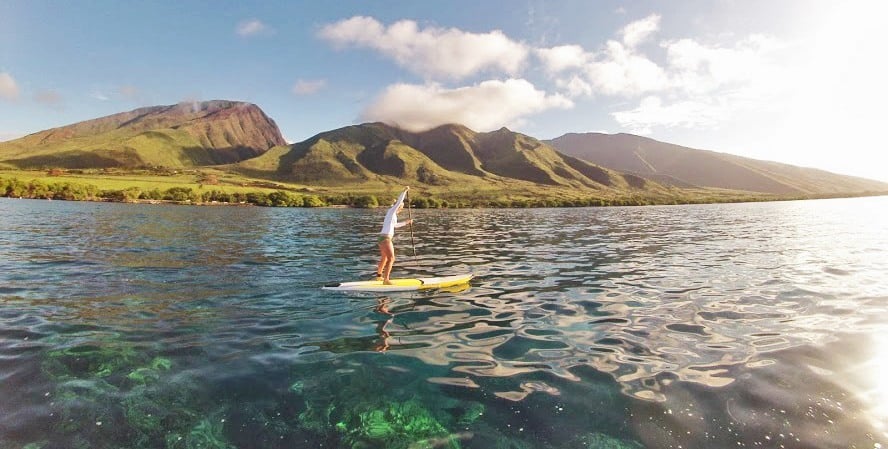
[{"x": 838, "y": 84}]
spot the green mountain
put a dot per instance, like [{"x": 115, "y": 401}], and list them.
[
  {"x": 245, "y": 148},
  {"x": 176, "y": 136},
  {"x": 686, "y": 167},
  {"x": 447, "y": 155}
]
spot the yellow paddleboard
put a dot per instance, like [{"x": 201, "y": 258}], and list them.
[{"x": 402, "y": 285}]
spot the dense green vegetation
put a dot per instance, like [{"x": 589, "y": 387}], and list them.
[
  {"x": 218, "y": 188},
  {"x": 73, "y": 191}
]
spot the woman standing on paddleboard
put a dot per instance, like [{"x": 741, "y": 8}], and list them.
[{"x": 386, "y": 247}]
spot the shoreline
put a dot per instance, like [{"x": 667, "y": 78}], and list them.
[
  {"x": 195, "y": 189},
  {"x": 153, "y": 202},
  {"x": 187, "y": 190}
]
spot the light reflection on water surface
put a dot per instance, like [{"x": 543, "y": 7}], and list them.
[{"x": 719, "y": 324}]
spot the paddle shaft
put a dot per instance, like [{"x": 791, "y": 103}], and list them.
[{"x": 410, "y": 216}]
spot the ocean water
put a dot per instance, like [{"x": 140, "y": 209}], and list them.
[{"x": 759, "y": 325}]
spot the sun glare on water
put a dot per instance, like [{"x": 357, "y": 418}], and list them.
[{"x": 876, "y": 395}]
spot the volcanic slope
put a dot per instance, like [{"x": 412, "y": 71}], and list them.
[
  {"x": 446, "y": 155},
  {"x": 175, "y": 136},
  {"x": 687, "y": 167}
]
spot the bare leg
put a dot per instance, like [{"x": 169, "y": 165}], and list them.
[
  {"x": 387, "y": 250},
  {"x": 388, "y": 271},
  {"x": 381, "y": 264}
]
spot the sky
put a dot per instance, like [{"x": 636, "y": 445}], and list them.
[{"x": 795, "y": 81}]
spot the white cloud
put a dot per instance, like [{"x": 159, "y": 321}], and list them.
[
  {"x": 251, "y": 27},
  {"x": 622, "y": 71},
  {"x": 431, "y": 52},
  {"x": 695, "y": 85},
  {"x": 617, "y": 69},
  {"x": 638, "y": 31},
  {"x": 699, "y": 68},
  {"x": 708, "y": 85},
  {"x": 652, "y": 112},
  {"x": 8, "y": 88},
  {"x": 575, "y": 86},
  {"x": 678, "y": 83},
  {"x": 308, "y": 87},
  {"x": 558, "y": 59},
  {"x": 483, "y": 107}
]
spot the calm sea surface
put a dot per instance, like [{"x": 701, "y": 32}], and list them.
[{"x": 711, "y": 326}]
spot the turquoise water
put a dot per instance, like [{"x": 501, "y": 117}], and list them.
[{"x": 741, "y": 325}]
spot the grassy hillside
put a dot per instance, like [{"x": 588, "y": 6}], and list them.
[
  {"x": 451, "y": 156},
  {"x": 450, "y": 146},
  {"x": 686, "y": 167},
  {"x": 209, "y": 185},
  {"x": 222, "y": 151},
  {"x": 177, "y": 136}
]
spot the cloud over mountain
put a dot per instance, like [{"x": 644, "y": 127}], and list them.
[
  {"x": 675, "y": 83},
  {"x": 435, "y": 53},
  {"x": 484, "y": 106}
]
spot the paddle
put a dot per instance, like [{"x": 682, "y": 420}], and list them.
[{"x": 410, "y": 216}]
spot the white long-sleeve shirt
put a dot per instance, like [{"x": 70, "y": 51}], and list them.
[{"x": 391, "y": 217}]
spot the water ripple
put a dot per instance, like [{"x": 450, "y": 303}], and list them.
[{"x": 644, "y": 296}]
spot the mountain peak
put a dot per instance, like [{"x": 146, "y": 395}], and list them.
[
  {"x": 447, "y": 154},
  {"x": 180, "y": 135}
]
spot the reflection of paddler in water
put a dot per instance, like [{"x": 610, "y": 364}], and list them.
[
  {"x": 386, "y": 247},
  {"x": 382, "y": 307}
]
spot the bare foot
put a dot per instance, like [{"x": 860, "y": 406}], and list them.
[{"x": 387, "y": 282}]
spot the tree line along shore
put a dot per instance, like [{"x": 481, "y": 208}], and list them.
[{"x": 12, "y": 187}]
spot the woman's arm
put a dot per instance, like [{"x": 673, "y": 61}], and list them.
[{"x": 401, "y": 197}]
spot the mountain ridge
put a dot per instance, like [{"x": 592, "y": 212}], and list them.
[
  {"x": 684, "y": 166},
  {"x": 180, "y": 135},
  {"x": 442, "y": 155},
  {"x": 239, "y": 138}
]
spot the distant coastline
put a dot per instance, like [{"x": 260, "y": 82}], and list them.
[{"x": 48, "y": 188}]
